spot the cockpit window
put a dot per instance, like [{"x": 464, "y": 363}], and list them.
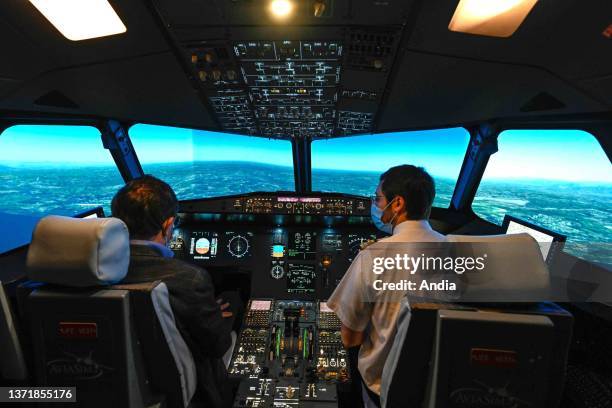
[
  {"x": 52, "y": 169},
  {"x": 559, "y": 179},
  {"x": 354, "y": 164},
  {"x": 199, "y": 163}
]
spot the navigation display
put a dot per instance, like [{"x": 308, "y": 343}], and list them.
[
  {"x": 203, "y": 245},
  {"x": 331, "y": 242},
  {"x": 302, "y": 246},
  {"x": 356, "y": 242},
  {"x": 301, "y": 278},
  {"x": 238, "y": 244}
]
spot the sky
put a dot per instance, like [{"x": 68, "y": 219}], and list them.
[
  {"x": 160, "y": 144},
  {"x": 440, "y": 151},
  {"x": 565, "y": 155},
  {"x": 53, "y": 145},
  {"x": 569, "y": 155}
]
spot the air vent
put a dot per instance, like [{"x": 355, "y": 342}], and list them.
[
  {"x": 56, "y": 99},
  {"x": 542, "y": 102}
]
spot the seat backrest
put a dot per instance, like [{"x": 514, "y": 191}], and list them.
[
  {"x": 514, "y": 269},
  {"x": 13, "y": 367},
  {"x": 86, "y": 339},
  {"x": 446, "y": 355},
  {"x": 502, "y": 358},
  {"x": 169, "y": 362},
  {"x": 90, "y": 334}
]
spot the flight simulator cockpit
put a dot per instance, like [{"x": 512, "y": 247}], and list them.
[{"x": 273, "y": 121}]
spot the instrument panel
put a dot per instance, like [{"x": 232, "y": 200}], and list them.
[
  {"x": 293, "y": 260},
  {"x": 211, "y": 246},
  {"x": 301, "y": 205},
  {"x": 289, "y": 353},
  {"x": 282, "y": 204},
  {"x": 293, "y": 250}
]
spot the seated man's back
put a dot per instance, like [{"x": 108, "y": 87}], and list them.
[
  {"x": 368, "y": 311},
  {"x": 148, "y": 207}
]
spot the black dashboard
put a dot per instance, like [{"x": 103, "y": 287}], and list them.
[
  {"x": 290, "y": 246},
  {"x": 286, "y": 253}
]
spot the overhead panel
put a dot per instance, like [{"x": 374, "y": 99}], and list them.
[
  {"x": 313, "y": 87},
  {"x": 293, "y": 85}
]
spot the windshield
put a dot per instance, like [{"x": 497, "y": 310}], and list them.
[
  {"x": 54, "y": 169},
  {"x": 198, "y": 163},
  {"x": 354, "y": 164}
]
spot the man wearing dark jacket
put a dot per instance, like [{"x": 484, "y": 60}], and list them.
[{"x": 148, "y": 207}]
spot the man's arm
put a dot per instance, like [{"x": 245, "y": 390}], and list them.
[
  {"x": 350, "y": 337},
  {"x": 348, "y": 302},
  {"x": 202, "y": 313}
]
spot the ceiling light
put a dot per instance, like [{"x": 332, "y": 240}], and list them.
[
  {"x": 281, "y": 8},
  {"x": 81, "y": 19},
  {"x": 319, "y": 8},
  {"x": 496, "y": 18}
]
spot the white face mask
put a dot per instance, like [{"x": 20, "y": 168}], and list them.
[{"x": 377, "y": 214}]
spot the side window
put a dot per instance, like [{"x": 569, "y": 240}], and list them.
[
  {"x": 62, "y": 170},
  {"x": 559, "y": 179}
]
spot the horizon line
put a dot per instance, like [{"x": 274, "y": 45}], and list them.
[{"x": 72, "y": 165}]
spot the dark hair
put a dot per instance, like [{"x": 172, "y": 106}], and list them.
[
  {"x": 144, "y": 204},
  {"x": 414, "y": 185}
]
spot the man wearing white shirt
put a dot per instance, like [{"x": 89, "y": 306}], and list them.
[{"x": 401, "y": 207}]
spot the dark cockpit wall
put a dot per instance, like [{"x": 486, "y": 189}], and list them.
[{"x": 553, "y": 73}]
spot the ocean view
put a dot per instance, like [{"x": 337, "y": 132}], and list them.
[{"x": 583, "y": 212}]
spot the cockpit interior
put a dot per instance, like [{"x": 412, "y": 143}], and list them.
[{"x": 273, "y": 120}]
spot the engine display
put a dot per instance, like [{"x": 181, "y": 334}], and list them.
[
  {"x": 301, "y": 278},
  {"x": 302, "y": 246}
]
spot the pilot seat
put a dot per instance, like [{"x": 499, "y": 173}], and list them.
[
  {"x": 483, "y": 354},
  {"x": 117, "y": 344}
]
